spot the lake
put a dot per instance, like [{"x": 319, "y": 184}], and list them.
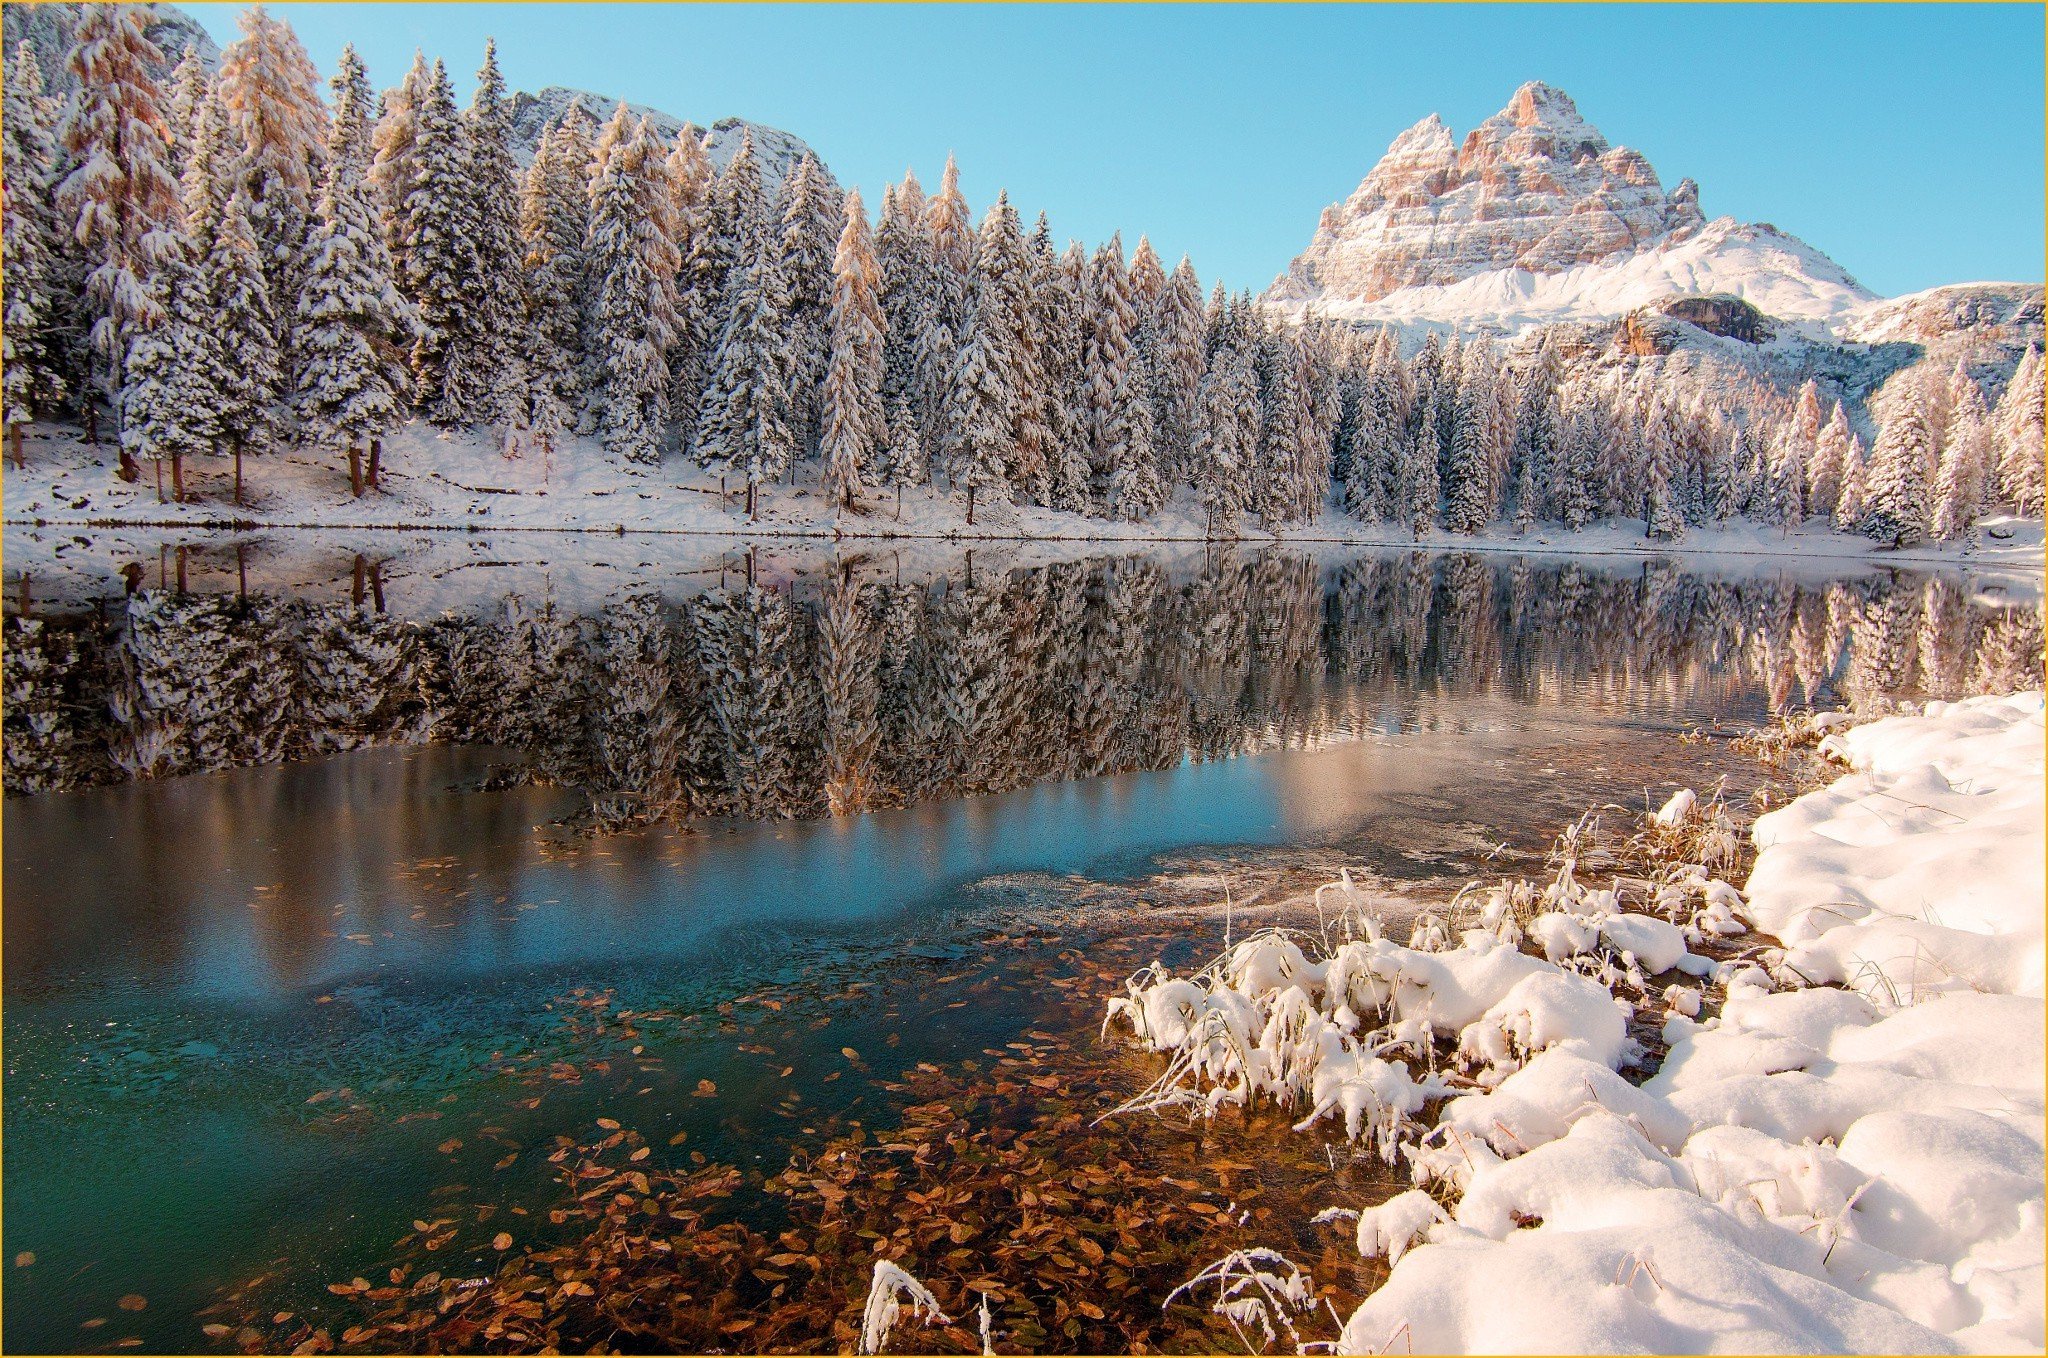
[{"x": 343, "y": 874}]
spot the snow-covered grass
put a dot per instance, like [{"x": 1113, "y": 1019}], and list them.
[
  {"x": 435, "y": 480},
  {"x": 1847, "y": 1157}
]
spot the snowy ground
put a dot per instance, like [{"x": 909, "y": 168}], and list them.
[
  {"x": 441, "y": 481},
  {"x": 1846, "y": 1158}
]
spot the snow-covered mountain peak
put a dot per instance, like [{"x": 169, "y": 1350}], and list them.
[{"x": 1536, "y": 217}]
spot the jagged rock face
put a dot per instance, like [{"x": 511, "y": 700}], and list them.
[
  {"x": 47, "y": 28},
  {"x": 2010, "y": 312},
  {"x": 1534, "y": 187},
  {"x": 777, "y": 151}
]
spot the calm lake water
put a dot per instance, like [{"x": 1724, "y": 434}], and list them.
[{"x": 300, "y": 889}]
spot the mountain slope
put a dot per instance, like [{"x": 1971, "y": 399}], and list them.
[
  {"x": 1535, "y": 218},
  {"x": 777, "y": 151}
]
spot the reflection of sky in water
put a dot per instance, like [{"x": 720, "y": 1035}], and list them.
[{"x": 261, "y": 883}]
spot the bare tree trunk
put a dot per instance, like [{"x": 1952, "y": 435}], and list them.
[
  {"x": 753, "y": 511},
  {"x": 899, "y": 502},
  {"x": 377, "y": 584},
  {"x": 376, "y": 464},
  {"x": 14, "y": 446},
  {"x": 355, "y": 469},
  {"x": 178, "y": 476},
  {"x": 970, "y": 506},
  {"x": 27, "y": 602},
  {"x": 238, "y": 471},
  {"x": 159, "y": 463},
  {"x": 242, "y": 570},
  {"x": 355, "y": 593},
  {"x": 181, "y": 568}
]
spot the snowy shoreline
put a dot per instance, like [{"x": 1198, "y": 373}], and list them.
[
  {"x": 1847, "y": 1157},
  {"x": 459, "y": 485}
]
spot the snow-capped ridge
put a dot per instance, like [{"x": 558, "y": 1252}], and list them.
[{"x": 777, "y": 151}]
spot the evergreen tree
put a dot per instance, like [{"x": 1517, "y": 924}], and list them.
[
  {"x": 854, "y": 429},
  {"x": 1226, "y": 437},
  {"x": 1665, "y": 522},
  {"x": 1465, "y": 488},
  {"x": 1064, "y": 308},
  {"x": 354, "y": 327},
  {"x": 31, "y": 362},
  {"x": 1829, "y": 465},
  {"x": 394, "y": 160},
  {"x": 191, "y": 88},
  {"x": 981, "y": 416},
  {"x": 2018, "y": 424},
  {"x": 272, "y": 95},
  {"x": 1579, "y": 457},
  {"x": 633, "y": 265},
  {"x": 167, "y": 410},
  {"x": 746, "y": 427},
  {"x": 1896, "y": 507},
  {"x": 554, "y": 220},
  {"x": 1419, "y": 483},
  {"x": 1785, "y": 503},
  {"x": 1965, "y": 446},
  {"x": 810, "y": 227},
  {"x": 692, "y": 182},
  {"x": 1855, "y": 477},
  {"x": 1178, "y": 370},
  {"x": 248, "y": 379},
  {"x": 952, "y": 244},
  {"x": 902, "y": 250},
  {"x": 437, "y": 256},
  {"x": 1005, "y": 298},
  {"x": 1107, "y": 360},
  {"x": 485, "y": 367},
  {"x": 119, "y": 196}
]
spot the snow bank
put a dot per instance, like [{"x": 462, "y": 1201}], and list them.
[
  {"x": 1817, "y": 1169},
  {"x": 1813, "y": 1169}
]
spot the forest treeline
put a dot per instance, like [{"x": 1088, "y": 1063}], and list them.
[{"x": 231, "y": 262}]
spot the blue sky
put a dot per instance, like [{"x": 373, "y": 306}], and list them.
[{"x": 1904, "y": 140}]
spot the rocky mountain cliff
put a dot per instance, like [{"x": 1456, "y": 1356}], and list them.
[
  {"x": 47, "y": 28},
  {"x": 777, "y": 151},
  {"x": 1535, "y": 218}
]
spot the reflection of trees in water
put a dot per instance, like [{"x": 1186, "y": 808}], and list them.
[{"x": 836, "y": 694}]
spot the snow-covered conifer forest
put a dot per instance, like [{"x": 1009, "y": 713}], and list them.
[{"x": 219, "y": 267}]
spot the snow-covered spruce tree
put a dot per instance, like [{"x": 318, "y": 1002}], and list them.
[
  {"x": 1578, "y": 448},
  {"x": 1896, "y": 507},
  {"x": 119, "y": 193},
  {"x": 902, "y": 254},
  {"x": 355, "y": 329},
  {"x": 2021, "y": 479},
  {"x": 1004, "y": 301},
  {"x": 1785, "y": 501},
  {"x": 1855, "y": 479},
  {"x": 1959, "y": 471},
  {"x": 692, "y": 180},
  {"x": 951, "y": 227},
  {"x": 554, "y": 219},
  {"x": 1830, "y": 462},
  {"x": 981, "y": 416},
  {"x": 437, "y": 255},
  {"x": 167, "y": 406},
  {"x": 810, "y": 227},
  {"x": 248, "y": 377},
  {"x": 278, "y": 126},
  {"x": 394, "y": 158},
  {"x": 485, "y": 366},
  {"x": 1535, "y": 449},
  {"x": 1106, "y": 361},
  {"x": 746, "y": 428},
  {"x": 1064, "y": 307},
  {"x": 1466, "y": 508},
  {"x": 1226, "y": 437},
  {"x": 191, "y": 86},
  {"x": 735, "y": 211},
  {"x": 31, "y": 364},
  {"x": 1178, "y": 369},
  {"x": 633, "y": 263},
  {"x": 1419, "y": 484},
  {"x": 1664, "y": 520},
  {"x": 854, "y": 429},
  {"x": 1720, "y": 491}
]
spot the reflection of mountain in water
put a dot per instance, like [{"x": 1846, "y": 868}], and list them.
[{"x": 831, "y": 695}]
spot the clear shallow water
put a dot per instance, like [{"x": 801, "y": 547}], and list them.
[{"x": 192, "y": 959}]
